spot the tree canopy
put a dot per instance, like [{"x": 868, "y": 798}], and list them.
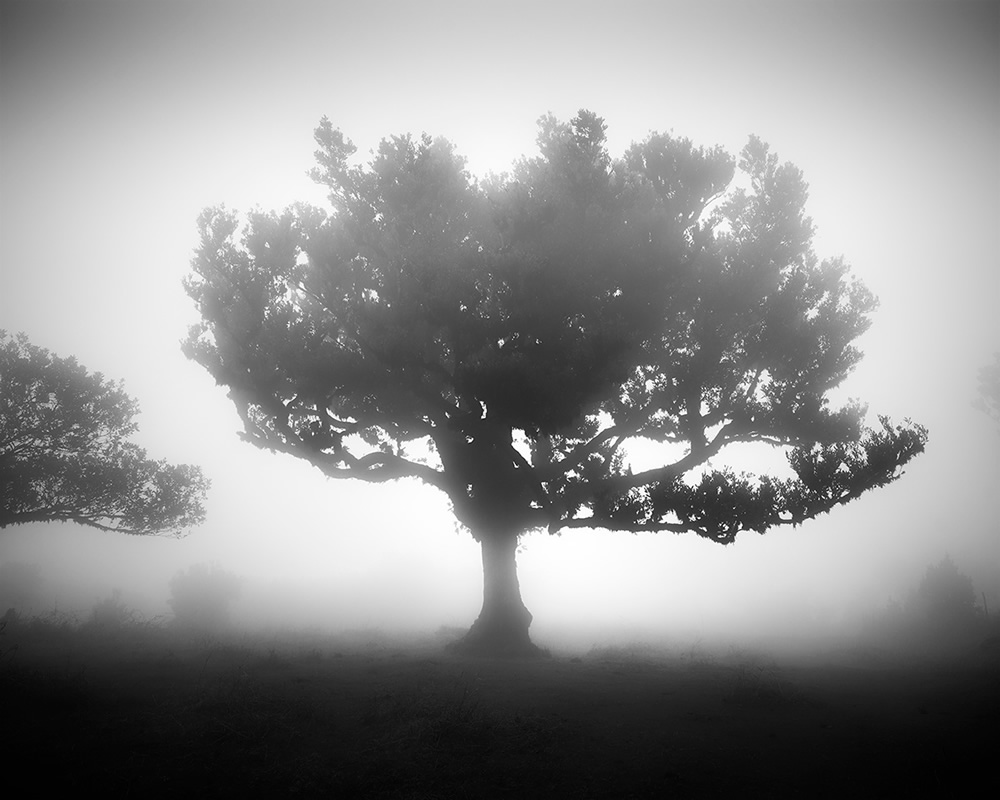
[
  {"x": 508, "y": 340},
  {"x": 65, "y": 454}
]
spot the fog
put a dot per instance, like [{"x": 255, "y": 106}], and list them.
[{"x": 122, "y": 121}]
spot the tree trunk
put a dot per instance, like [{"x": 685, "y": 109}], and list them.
[{"x": 502, "y": 626}]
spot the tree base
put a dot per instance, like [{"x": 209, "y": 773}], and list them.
[
  {"x": 467, "y": 646},
  {"x": 501, "y": 631},
  {"x": 497, "y": 641}
]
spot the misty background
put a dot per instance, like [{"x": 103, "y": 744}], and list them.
[{"x": 120, "y": 122}]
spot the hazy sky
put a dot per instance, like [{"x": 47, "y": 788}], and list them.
[{"x": 120, "y": 121}]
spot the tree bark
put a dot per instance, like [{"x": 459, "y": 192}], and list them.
[{"x": 502, "y": 626}]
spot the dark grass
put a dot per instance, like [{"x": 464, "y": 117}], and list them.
[{"x": 133, "y": 710}]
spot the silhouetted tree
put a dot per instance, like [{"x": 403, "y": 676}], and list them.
[
  {"x": 989, "y": 390},
  {"x": 200, "y": 597},
  {"x": 507, "y": 341},
  {"x": 65, "y": 454}
]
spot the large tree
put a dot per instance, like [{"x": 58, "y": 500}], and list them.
[
  {"x": 510, "y": 341},
  {"x": 65, "y": 454}
]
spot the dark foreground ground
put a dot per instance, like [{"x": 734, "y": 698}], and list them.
[{"x": 145, "y": 712}]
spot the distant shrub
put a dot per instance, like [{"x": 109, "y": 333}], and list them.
[
  {"x": 111, "y": 613},
  {"x": 945, "y": 595},
  {"x": 200, "y": 597}
]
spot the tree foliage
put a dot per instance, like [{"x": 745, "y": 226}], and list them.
[
  {"x": 65, "y": 453},
  {"x": 508, "y": 340}
]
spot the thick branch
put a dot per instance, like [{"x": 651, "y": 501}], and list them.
[
  {"x": 579, "y": 454},
  {"x": 375, "y": 467}
]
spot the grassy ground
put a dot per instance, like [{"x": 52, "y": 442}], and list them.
[{"x": 132, "y": 710}]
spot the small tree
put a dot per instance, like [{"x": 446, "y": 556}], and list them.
[
  {"x": 111, "y": 613},
  {"x": 201, "y": 596},
  {"x": 508, "y": 342},
  {"x": 945, "y": 595},
  {"x": 65, "y": 454}
]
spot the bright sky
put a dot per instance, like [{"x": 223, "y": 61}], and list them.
[{"x": 120, "y": 121}]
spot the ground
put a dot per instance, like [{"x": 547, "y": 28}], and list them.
[{"x": 148, "y": 711}]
